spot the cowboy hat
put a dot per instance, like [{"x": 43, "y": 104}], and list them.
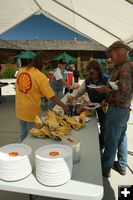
[
  {"x": 62, "y": 61},
  {"x": 117, "y": 45}
]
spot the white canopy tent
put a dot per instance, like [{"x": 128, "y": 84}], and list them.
[{"x": 104, "y": 21}]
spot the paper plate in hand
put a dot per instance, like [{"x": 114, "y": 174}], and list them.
[
  {"x": 92, "y": 86},
  {"x": 92, "y": 106},
  {"x": 113, "y": 85}
]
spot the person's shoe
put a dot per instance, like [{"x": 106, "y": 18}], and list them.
[
  {"x": 119, "y": 169},
  {"x": 106, "y": 174}
]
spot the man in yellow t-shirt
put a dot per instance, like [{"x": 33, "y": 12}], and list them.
[{"x": 31, "y": 85}]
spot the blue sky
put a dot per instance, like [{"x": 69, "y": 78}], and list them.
[{"x": 41, "y": 28}]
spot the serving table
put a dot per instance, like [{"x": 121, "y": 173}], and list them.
[{"x": 86, "y": 182}]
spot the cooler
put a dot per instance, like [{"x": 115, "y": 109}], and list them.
[
  {"x": 50, "y": 75},
  {"x": 70, "y": 78}
]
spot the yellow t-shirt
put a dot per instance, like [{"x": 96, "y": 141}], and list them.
[{"x": 31, "y": 85}]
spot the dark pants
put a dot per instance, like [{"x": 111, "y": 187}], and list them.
[
  {"x": 66, "y": 90},
  {"x": 101, "y": 118}
]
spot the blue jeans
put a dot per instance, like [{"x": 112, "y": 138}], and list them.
[
  {"x": 25, "y": 127},
  {"x": 115, "y": 137},
  {"x": 101, "y": 118}
]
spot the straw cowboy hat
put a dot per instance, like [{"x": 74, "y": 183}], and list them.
[{"x": 117, "y": 45}]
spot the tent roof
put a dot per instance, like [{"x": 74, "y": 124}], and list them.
[{"x": 103, "y": 21}]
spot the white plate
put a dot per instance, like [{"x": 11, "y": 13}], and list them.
[
  {"x": 22, "y": 149},
  {"x": 92, "y": 86},
  {"x": 46, "y": 151},
  {"x": 13, "y": 168},
  {"x": 95, "y": 105},
  {"x": 113, "y": 85}
]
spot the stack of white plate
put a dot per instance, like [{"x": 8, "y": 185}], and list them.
[
  {"x": 74, "y": 143},
  {"x": 53, "y": 164},
  {"x": 14, "y": 162}
]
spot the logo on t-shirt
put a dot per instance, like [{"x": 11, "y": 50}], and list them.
[{"x": 24, "y": 82}]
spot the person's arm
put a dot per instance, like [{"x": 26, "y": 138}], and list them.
[
  {"x": 56, "y": 100},
  {"x": 103, "y": 89},
  {"x": 48, "y": 92},
  {"x": 65, "y": 83},
  {"x": 80, "y": 91}
]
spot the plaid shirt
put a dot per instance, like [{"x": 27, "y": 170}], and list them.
[{"x": 122, "y": 97}]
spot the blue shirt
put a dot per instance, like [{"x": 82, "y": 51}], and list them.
[{"x": 94, "y": 95}]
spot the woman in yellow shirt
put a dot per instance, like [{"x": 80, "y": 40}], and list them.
[{"x": 31, "y": 85}]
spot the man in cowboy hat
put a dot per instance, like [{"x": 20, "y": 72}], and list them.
[
  {"x": 117, "y": 45},
  {"x": 58, "y": 81},
  {"x": 119, "y": 100}
]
